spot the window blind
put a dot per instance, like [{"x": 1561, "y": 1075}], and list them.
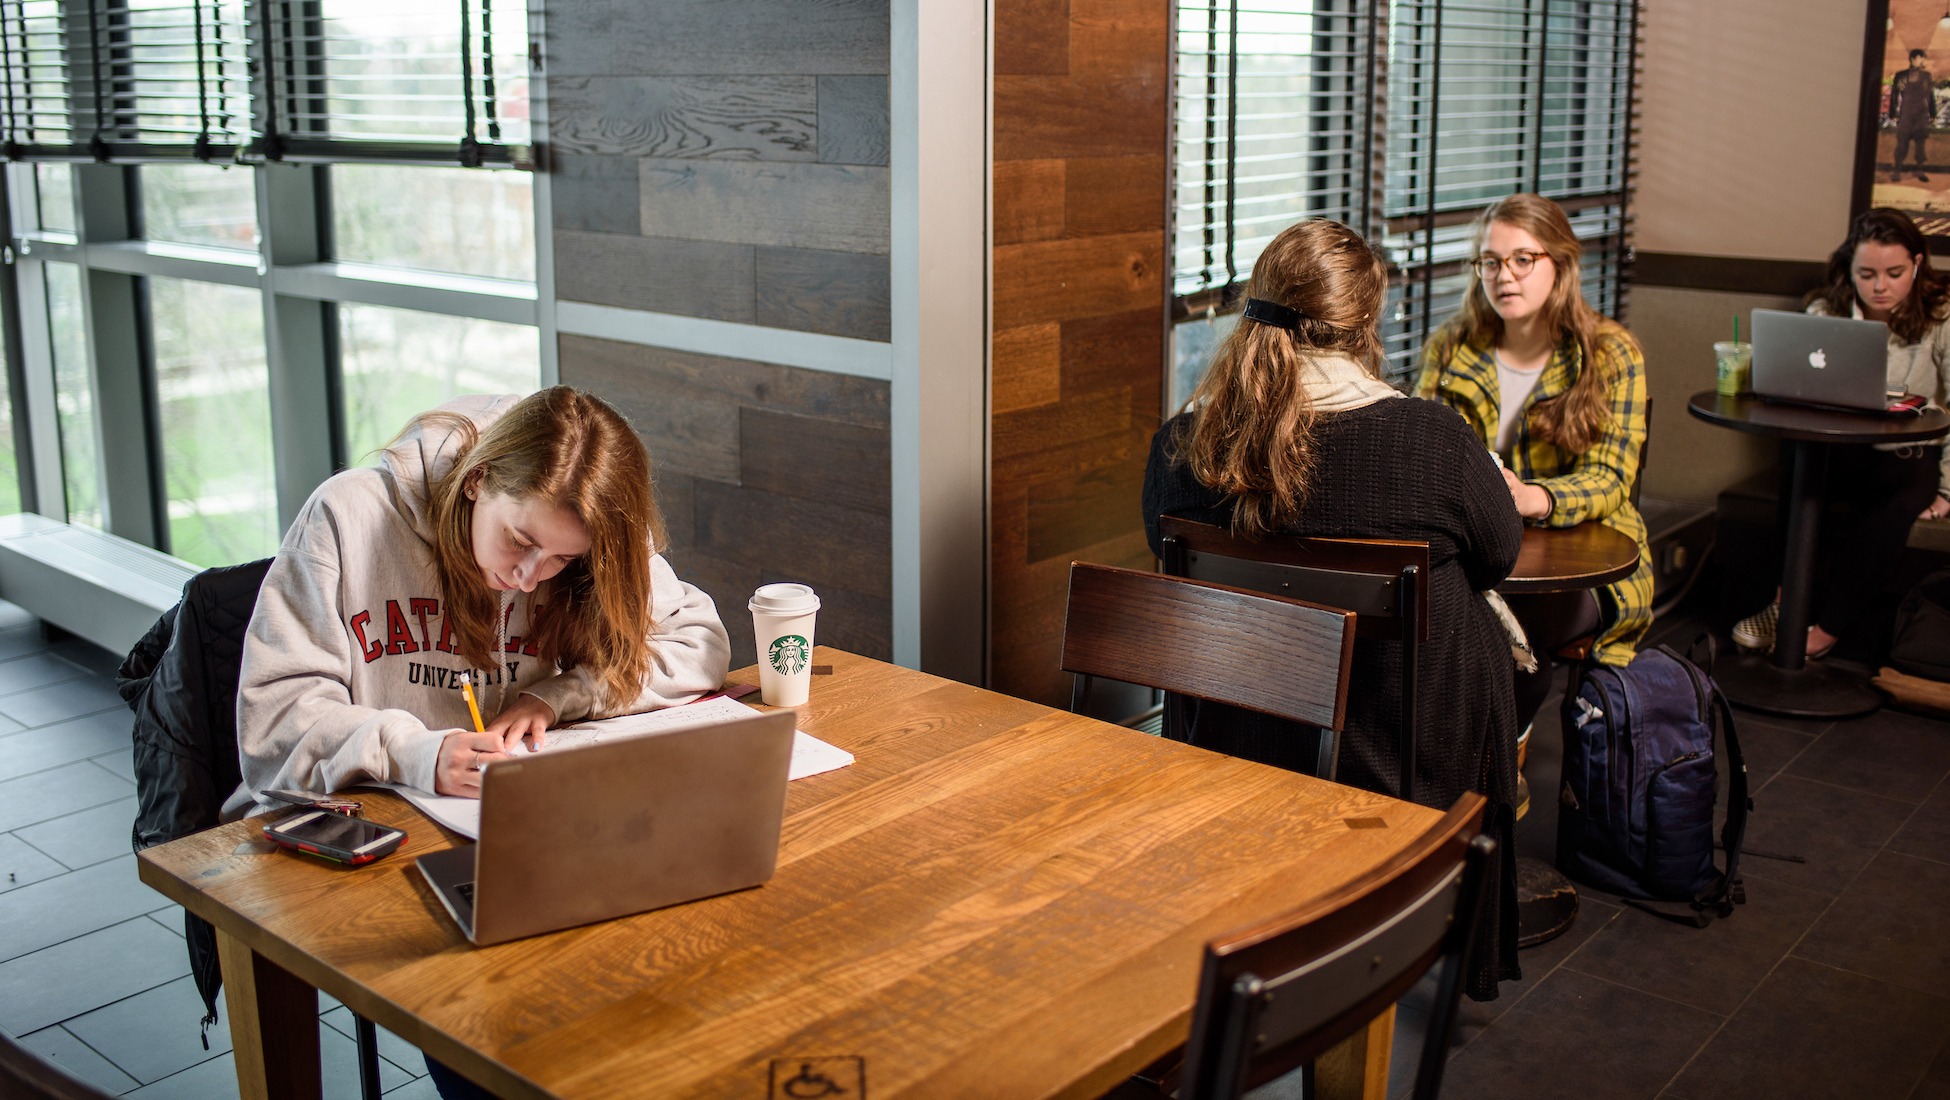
[
  {"x": 1404, "y": 119},
  {"x": 1275, "y": 120},
  {"x": 304, "y": 80},
  {"x": 393, "y": 80},
  {"x": 109, "y": 80}
]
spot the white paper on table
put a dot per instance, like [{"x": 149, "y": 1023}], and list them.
[{"x": 810, "y": 755}]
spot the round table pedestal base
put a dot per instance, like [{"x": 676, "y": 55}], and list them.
[
  {"x": 1547, "y": 903},
  {"x": 1816, "y": 691}
]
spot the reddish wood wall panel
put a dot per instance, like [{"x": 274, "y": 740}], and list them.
[{"x": 1081, "y": 96}]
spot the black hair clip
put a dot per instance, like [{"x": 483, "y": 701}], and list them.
[{"x": 1272, "y": 313}]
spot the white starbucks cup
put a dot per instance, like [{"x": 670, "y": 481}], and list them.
[{"x": 782, "y": 620}]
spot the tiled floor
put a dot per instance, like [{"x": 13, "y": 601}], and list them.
[
  {"x": 93, "y": 972},
  {"x": 1832, "y": 981}
]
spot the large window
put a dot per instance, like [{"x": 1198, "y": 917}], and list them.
[
  {"x": 256, "y": 283},
  {"x": 1404, "y": 119}
]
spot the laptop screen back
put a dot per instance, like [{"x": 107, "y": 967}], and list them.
[{"x": 1812, "y": 360}]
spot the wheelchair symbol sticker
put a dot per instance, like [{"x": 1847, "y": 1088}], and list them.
[{"x": 819, "y": 1079}]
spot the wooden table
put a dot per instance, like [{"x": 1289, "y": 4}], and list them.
[
  {"x": 996, "y": 899},
  {"x": 1784, "y": 683},
  {"x": 1570, "y": 559}
]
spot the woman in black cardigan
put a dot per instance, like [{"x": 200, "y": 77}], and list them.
[{"x": 1293, "y": 431}]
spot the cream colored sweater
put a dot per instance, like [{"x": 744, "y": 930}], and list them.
[{"x": 346, "y": 675}]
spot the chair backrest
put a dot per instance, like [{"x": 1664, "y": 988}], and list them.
[
  {"x": 24, "y": 1073},
  {"x": 1385, "y": 582},
  {"x": 1364, "y": 576},
  {"x": 1210, "y": 641},
  {"x": 1280, "y": 994}
]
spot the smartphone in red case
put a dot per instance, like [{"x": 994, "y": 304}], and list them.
[{"x": 335, "y": 836}]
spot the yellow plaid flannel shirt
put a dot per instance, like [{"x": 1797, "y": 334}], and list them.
[{"x": 1594, "y": 485}]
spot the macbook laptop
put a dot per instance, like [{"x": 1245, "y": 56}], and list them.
[
  {"x": 1806, "y": 359},
  {"x": 586, "y": 834}
]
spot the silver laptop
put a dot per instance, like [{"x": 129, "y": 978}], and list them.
[
  {"x": 1811, "y": 360},
  {"x": 590, "y": 833}
]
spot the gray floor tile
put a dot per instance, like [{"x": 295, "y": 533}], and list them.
[
  {"x": 1539, "y": 962},
  {"x": 1576, "y": 1035},
  {"x": 87, "y": 972},
  {"x": 1767, "y": 746},
  {"x": 1834, "y": 829},
  {"x": 60, "y": 702},
  {"x": 46, "y": 795},
  {"x": 172, "y": 919},
  {"x": 1892, "y": 923},
  {"x": 215, "y": 1079},
  {"x": 391, "y": 1047},
  {"x": 71, "y": 1054},
  {"x": 73, "y": 904},
  {"x": 155, "y": 1033},
  {"x": 1927, "y": 832},
  {"x": 1812, "y": 1030},
  {"x": 338, "y": 1058},
  {"x": 21, "y": 863},
  {"x": 34, "y": 670},
  {"x": 1712, "y": 968},
  {"x": 120, "y": 763},
  {"x": 89, "y": 656},
  {"x": 64, "y": 743},
  {"x": 1888, "y": 754},
  {"x": 420, "y": 1088},
  {"x": 85, "y": 838},
  {"x": 17, "y": 641}
]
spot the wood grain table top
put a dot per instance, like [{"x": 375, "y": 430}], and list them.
[
  {"x": 996, "y": 899},
  {"x": 1568, "y": 559}
]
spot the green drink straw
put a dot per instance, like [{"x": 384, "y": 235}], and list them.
[{"x": 1736, "y": 328}]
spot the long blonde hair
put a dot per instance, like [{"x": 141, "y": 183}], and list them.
[
  {"x": 575, "y": 452},
  {"x": 1574, "y": 419},
  {"x": 1252, "y": 424}
]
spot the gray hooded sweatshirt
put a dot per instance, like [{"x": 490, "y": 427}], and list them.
[{"x": 347, "y": 675}]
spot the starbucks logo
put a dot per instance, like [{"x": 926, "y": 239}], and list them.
[{"x": 789, "y": 654}]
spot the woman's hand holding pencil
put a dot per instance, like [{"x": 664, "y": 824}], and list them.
[{"x": 464, "y": 753}]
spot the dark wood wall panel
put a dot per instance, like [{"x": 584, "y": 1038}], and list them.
[
  {"x": 1077, "y": 352},
  {"x": 765, "y": 473}
]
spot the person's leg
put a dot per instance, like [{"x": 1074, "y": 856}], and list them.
[
  {"x": 1888, "y": 492},
  {"x": 1549, "y": 621}
]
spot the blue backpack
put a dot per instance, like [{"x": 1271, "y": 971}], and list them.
[{"x": 1635, "y": 812}]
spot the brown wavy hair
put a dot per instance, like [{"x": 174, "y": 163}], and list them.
[
  {"x": 1574, "y": 419},
  {"x": 1924, "y": 306},
  {"x": 574, "y": 451},
  {"x": 1252, "y": 424}
]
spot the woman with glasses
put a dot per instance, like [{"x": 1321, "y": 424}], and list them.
[
  {"x": 1557, "y": 391},
  {"x": 1881, "y": 272}
]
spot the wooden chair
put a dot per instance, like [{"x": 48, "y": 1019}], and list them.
[
  {"x": 1279, "y": 995},
  {"x": 1384, "y": 582},
  {"x": 26, "y": 1074},
  {"x": 1209, "y": 641}
]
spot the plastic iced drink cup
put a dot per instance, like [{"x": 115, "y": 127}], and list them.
[
  {"x": 782, "y": 621},
  {"x": 1735, "y": 362}
]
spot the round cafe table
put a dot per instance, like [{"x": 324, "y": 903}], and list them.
[
  {"x": 1784, "y": 682},
  {"x": 1560, "y": 559}
]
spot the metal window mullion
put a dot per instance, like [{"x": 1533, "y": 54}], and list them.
[
  {"x": 119, "y": 369},
  {"x": 299, "y": 337}
]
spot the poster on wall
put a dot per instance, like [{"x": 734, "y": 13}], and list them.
[{"x": 1903, "y": 149}]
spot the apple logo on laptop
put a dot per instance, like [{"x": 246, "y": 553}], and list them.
[{"x": 1817, "y": 358}]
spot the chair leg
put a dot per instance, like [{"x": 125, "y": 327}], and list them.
[{"x": 368, "y": 1040}]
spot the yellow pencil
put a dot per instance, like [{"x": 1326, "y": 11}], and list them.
[{"x": 473, "y": 708}]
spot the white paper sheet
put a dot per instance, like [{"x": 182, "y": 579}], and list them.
[{"x": 810, "y": 755}]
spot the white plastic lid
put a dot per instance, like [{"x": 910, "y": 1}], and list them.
[{"x": 784, "y": 599}]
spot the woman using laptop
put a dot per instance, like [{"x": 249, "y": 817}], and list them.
[
  {"x": 1881, "y": 272},
  {"x": 1292, "y": 430},
  {"x": 513, "y": 540},
  {"x": 1557, "y": 390}
]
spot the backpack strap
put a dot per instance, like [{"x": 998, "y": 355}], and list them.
[{"x": 1733, "y": 835}]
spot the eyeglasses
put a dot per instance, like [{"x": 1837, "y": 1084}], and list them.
[{"x": 1520, "y": 262}]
